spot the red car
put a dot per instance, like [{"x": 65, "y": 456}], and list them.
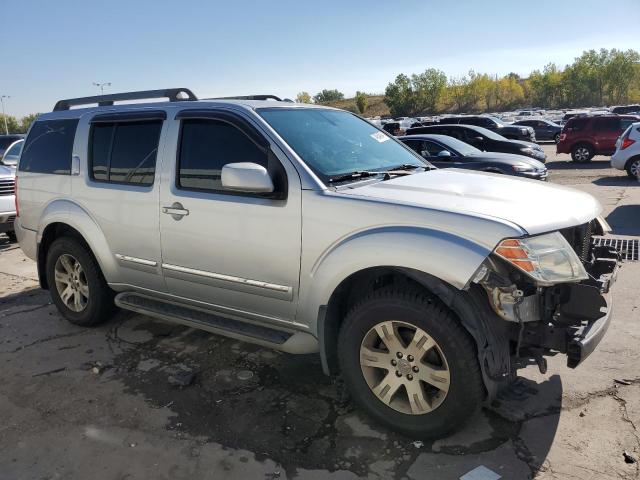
[{"x": 584, "y": 137}]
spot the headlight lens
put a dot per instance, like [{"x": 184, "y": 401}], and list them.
[
  {"x": 521, "y": 167},
  {"x": 548, "y": 258}
]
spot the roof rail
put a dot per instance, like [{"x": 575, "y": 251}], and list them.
[
  {"x": 248, "y": 97},
  {"x": 173, "y": 94}
]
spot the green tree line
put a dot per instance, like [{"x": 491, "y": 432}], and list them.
[
  {"x": 596, "y": 78},
  {"x": 16, "y": 125}
]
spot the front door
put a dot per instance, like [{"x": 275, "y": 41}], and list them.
[{"x": 237, "y": 252}]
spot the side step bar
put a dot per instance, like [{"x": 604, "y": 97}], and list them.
[{"x": 292, "y": 342}]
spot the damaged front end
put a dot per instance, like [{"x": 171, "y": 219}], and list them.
[{"x": 553, "y": 293}]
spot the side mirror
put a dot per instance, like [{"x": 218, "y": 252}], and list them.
[
  {"x": 444, "y": 154},
  {"x": 246, "y": 177}
]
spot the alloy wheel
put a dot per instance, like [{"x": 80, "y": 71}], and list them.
[
  {"x": 71, "y": 283},
  {"x": 404, "y": 367},
  {"x": 634, "y": 168},
  {"x": 582, "y": 154}
]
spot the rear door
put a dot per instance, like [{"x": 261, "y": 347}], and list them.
[
  {"x": 237, "y": 252},
  {"x": 606, "y": 131},
  {"x": 120, "y": 189}
]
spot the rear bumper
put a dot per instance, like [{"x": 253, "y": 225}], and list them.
[{"x": 27, "y": 240}]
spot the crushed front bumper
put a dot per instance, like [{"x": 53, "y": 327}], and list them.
[{"x": 580, "y": 313}]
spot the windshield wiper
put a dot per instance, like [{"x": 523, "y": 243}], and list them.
[{"x": 405, "y": 169}]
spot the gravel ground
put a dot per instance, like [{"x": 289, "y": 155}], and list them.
[{"x": 137, "y": 398}]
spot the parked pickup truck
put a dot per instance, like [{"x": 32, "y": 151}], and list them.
[{"x": 307, "y": 229}]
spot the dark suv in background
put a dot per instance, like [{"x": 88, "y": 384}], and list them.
[
  {"x": 545, "y": 129},
  {"x": 512, "y": 132},
  {"x": 483, "y": 139},
  {"x": 585, "y": 137}
]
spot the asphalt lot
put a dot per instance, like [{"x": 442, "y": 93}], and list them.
[{"x": 137, "y": 398}]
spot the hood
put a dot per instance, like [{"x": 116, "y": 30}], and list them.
[
  {"x": 522, "y": 143},
  {"x": 7, "y": 171},
  {"x": 509, "y": 159},
  {"x": 535, "y": 206}
]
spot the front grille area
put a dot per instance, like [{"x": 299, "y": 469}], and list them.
[
  {"x": 627, "y": 247},
  {"x": 580, "y": 239},
  {"x": 7, "y": 186}
]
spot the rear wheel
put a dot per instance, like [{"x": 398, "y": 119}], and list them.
[
  {"x": 409, "y": 364},
  {"x": 633, "y": 167},
  {"x": 582, "y": 153},
  {"x": 77, "y": 286},
  {"x": 12, "y": 236}
]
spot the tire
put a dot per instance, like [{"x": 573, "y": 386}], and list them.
[
  {"x": 582, "y": 153},
  {"x": 452, "y": 356},
  {"x": 633, "y": 167},
  {"x": 556, "y": 138},
  {"x": 12, "y": 236},
  {"x": 90, "y": 301}
]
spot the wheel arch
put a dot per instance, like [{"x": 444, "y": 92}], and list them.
[
  {"x": 469, "y": 307},
  {"x": 65, "y": 218}
]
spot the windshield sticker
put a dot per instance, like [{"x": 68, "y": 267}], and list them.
[{"x": 379, "y": 136}]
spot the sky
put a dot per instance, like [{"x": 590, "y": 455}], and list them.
[{"x": 51, "y": 50}]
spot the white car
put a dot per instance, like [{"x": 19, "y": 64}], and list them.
[
  {"x": 627, "y": 155},
  {"x": 7, "y": 201}
]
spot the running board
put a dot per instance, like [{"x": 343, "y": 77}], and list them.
[{"x": 196, "y": 318}]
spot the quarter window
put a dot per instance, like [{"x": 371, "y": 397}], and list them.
[
  {"x": 48, "y": 147},
  {"x": 124, "y": 152},
  {"x": 208, "y": 145}
]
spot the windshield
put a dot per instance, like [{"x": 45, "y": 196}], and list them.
[
  {"x": 15, "y": 149},
  {"x": 459, "y": 146},
  {"x": 334, "y": 142},
  {"x": 488, "y": 133}
]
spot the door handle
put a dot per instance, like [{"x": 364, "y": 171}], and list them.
[{"x": 177, "y": 211}]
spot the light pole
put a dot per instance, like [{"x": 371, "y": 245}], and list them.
[
  {"x": 101, "y": 86},
  {"x": 6, "y": 127}
]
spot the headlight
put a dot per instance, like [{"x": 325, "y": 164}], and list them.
[
  {"x": 524, "y": 131},
  {"x": 522, "y": 167},
  {"x": 548, "y": 258}
]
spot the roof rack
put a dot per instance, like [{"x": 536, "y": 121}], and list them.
[
  {"x": 248, "y": 97},
  {"x": 173, "y": 94}
]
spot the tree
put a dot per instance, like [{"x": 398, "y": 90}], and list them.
[
  {"x": 303, "y": 97},
  {"x": 399, "y": 96},
  {"x": 11, "y": 123},
  {"x": 361, "y": 102},
  {"x": 26, "y": 122},
  {"x": 428, "y": 89},
  {"x": 328, "y": 96}
]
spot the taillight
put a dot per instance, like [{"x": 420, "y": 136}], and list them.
[
  {"x": 15, "y": 196},
  {"x": 627, "y": 142},
  {"x": 563, "y": 136}
]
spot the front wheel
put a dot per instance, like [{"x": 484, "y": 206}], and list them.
[
  {"x": 556, "y": 138},
  {"x": 409, "y": 364},
  {"x": 77, "y": 286},
  {"x": 582, "y": 153}
]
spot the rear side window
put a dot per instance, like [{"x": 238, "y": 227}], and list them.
[
  {"x": 48, "y": 147},
  {"x": 607, "y": 124},
  {"x": 124, "y": 152},
  {"x": 577, "y": 124},
  {"x": 208, "y": 145}
]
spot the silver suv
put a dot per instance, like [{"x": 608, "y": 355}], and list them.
[{"x": 307, "y": 229}]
